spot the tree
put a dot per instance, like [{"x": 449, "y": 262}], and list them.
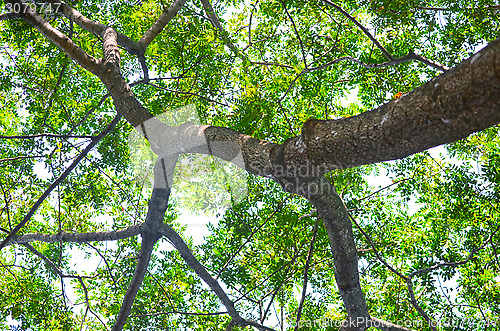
[{"x": 266, "y": 78}]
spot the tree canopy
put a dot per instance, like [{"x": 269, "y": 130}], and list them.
[{"x": 316, "y": 119}]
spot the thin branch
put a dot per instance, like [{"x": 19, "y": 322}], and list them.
[
  {"x": 216, "y": 23},
  {"x": 306, "y": 271},
  {"x": 362, "y": 28},
  {"x": 78, "y": 237},
  {"x": 272, "y": 64},
  {"x": 187, "y": 93},
  {"x": 409, "y": 283},
  {"x": 180, "y": 313},
  {"x": 197, "y": 267},
  {"x": 411, "y": 56},
  {"x": 296, "y": 33},
  {"x": 375, "y": 250},
  {"x": 23, "y": 157},
  {"x": 201, "y": 271},
  {"x": 87, "y": 302},
  {"x": 89, "y": 112},
  {"x": 49, "y": 262},
  {"x": 61, "y": 178},
  {"x": 384, "y": 188},
  {"x": 493, "y": 7},
  {"x": 105, "y": 262},
  {"x": 292, "y": 260},
  {"x": 58, "y": 83}
]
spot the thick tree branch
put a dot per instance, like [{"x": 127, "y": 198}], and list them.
[
  {"x": 131, "y": 46},
  {"x": 148, "y": 241},
  {"x": 162, "y": 21},
  {"x": 111, "y": 53},
  {"x": 60, "y": 179},
  {"x": 9, "y": 16},
  {"x": 339, "y": 228},
  {"x": 59, "y": 39},
  {"x": 450, "y": 107},
  {"x": 463, "y": 100}
]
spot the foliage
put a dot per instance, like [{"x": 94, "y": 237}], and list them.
[{"x": 436, "y": 209}]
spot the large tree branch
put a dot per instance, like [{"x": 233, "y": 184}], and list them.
[
  {"x": 450, "y": 107},
  {"x": 331, "y": 210},
  {"x": 59, "y": 39},
  {"x": 148, "y": 241},
  {"x": 130, "y": 45},
  {"x": 162, "y": 21}
]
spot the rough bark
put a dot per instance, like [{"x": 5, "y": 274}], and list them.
[{"x": 450, "y": 107}]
